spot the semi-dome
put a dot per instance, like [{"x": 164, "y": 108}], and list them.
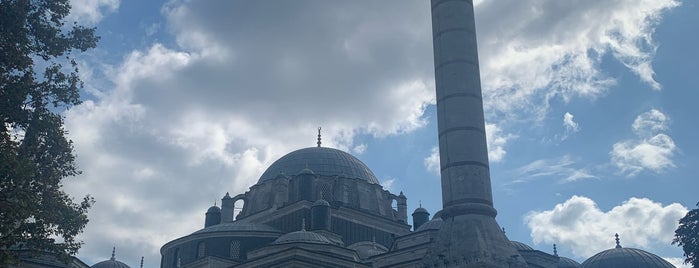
[
  {"x": 625, "y": 257},
  {"x": 367, "y": 249},
  {"x": 322, "y": 161}
]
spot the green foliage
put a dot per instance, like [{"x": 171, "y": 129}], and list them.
[
  {"x": 687, "y": 237},
  {"x": 38, "y": 80}
]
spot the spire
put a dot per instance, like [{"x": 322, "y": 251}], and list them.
[
  {"x": 113, "y": 253},
  {"x": 555, "y": 251},
  {"x": 318, "y": 136},
  {"x": 616, "y": 237},
  {"x": 141, "y": 261}
]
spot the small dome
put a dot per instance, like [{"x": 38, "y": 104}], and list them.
[
  {"x": 520, "y": 246},
  {"x": 564, "y": 262},
  {"x": 302, "y": 236},
  {"x": 214, "y": 209},
  {"x": 421, "y": 210},
  {"x": 625, "y": 257},
  {"x": 306, "y": 171},
  {"x": 321, "y": 202},
  {"x": 434, "y": 224},
  {"x": 322, "y": 161},
  {"x": 111, "y": 263}
]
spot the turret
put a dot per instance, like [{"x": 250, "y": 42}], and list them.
[
  {"x": 402, "y": 203},
  {"x": 305, "y": 184},
  {"x": 227, "y": 209},
  {"x": 420, "y": 217},
  {"x": 213, "y": 216},
  {"x": 320, "y": 215}
]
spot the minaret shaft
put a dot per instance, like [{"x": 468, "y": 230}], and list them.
[
  {"x": 469, "y": 235},
  {"x": 463, "y": 151}
]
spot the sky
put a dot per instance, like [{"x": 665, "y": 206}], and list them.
[{"x": 589, "y": 108}]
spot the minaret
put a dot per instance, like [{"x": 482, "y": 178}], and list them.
[{"x": 469, "y": 235}]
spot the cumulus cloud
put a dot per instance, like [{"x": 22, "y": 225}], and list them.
[
  {"x": 561, "y": 169},
  {"x": 534, "y": 51},
  {"x": 214, "y": 111},
  {"x": 242, "y": 83},
  {"x": 650, "y": 150},
  {"x": 581, "y": 226},
  {"x": 91, "y": 11}
]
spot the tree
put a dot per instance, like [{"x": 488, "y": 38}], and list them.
[
  {"x": 38, "y": 80},
  {"x": 687, "y": 237}
]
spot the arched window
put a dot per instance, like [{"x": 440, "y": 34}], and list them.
[
  {"x": 235, "y": 249},
  {"x": 201, "y": 250}
]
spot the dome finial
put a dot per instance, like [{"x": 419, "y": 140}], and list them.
[
  {"x": 319, "y": 136},
  {"x": 555, "y": 251},
  {"x": 141, "y": 261},
  {"x": 113, "y": 253},
  {"x": 616, "y": 237},
  {"x": 420, "y": 201}
]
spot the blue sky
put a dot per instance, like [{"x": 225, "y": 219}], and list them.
[{"x": 589, "y": 108}]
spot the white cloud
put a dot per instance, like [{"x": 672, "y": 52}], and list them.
[
  {"x": 496, "y": 142},
  {"x": 243, "y": 86},
  {"x": 561, "y": 169},
  {"x": 581, "y": 226},
  {"x": 533, "y": 51},
  {"x": 388, "y": 184},
  {"x": 570, "y": 125},
  {"x": 650, "y": 122},
  {"x": 496, "y": 148},
  {"x": 214, "y": 112},
  {"x": 91, "y": 11},
  {"x": 677, "y": 262},
  {"x": 359, "y": 149},
  {"x": 650, "y": 150},
  {"x": 432, "y": 161}
]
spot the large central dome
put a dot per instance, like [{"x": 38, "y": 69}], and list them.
[{"x": 322, "y": 161}]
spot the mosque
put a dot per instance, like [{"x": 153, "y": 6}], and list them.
[{"x": 322, "y": 207}]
